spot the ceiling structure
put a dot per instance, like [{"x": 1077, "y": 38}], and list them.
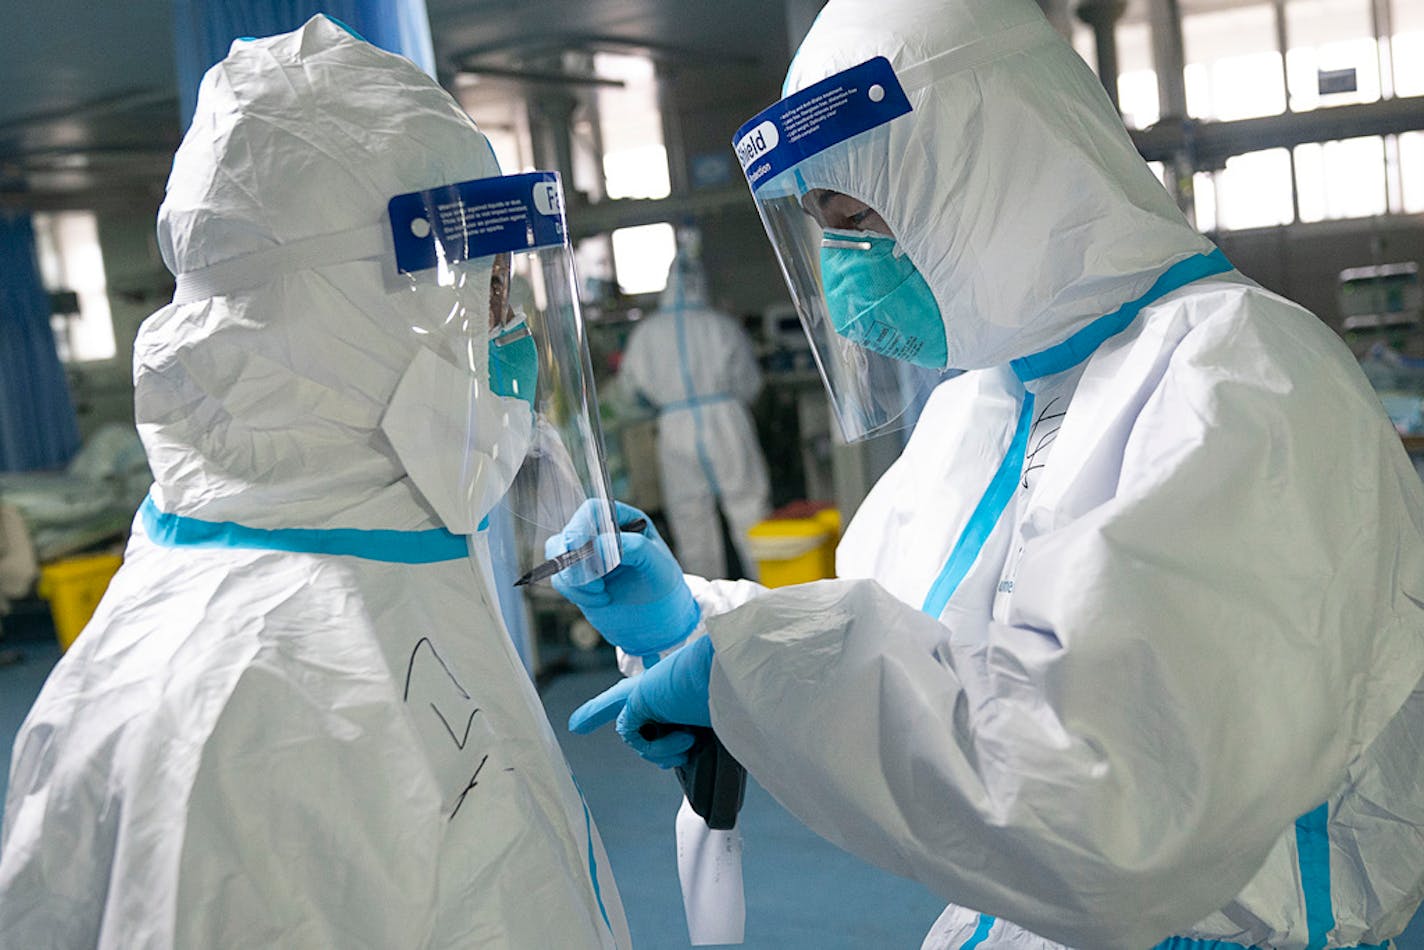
[{"x": 90, "y": 112}]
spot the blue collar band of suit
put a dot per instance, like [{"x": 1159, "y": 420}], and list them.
[
  {"x": 1055, "y": 359},
  {"x": 1085, "y": 342}
]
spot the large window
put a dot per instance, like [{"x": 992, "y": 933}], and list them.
[
  {"x": 1232, "y": 68},
  {"x": 70, "y": 261},
  {"x": 1204, "y": 200},
  {"x": 1341, "y": 179},
  {"x": 635, "y": 161},
  {"x": 509, "y": 148},
  {"x": 1407, "y": 48},
  {"x": 1331, "y": 55},
  {"x": 1252, "y": 191},
  {"x": 1136, "y": 79},
  {"x": 642, "y": 256},
  {"x": 1411, "y": 163},
  {"x": 635, "y": 165},
  {"x": 503, "y": 117}
]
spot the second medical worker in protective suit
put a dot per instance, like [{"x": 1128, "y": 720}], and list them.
[
  {"x": 697, "y": 366},
  {"x": 296, "y": 720},
  {"x": 1127, "y": 647}
]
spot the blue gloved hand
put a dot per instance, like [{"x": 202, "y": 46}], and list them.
[
  {"x": 672, "y": 692},
  {"x": 643, "y": 605}
]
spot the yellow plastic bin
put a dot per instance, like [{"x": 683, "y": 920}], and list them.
[
  {"x": 796, "y": 550},
  {"x": 73, "y": 588}
]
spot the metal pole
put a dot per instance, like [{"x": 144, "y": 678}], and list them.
[
  {"x": 1169, "y": 61},
  {"x": 1102, "y": 16},
  {"x": 1282, "y": 44}
]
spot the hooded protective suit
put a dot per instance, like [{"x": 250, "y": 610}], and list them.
[
  {"x": 1129, "y": 643},
  {"x": 696, "y": 365},
  {"x": 296, "y": 719}
]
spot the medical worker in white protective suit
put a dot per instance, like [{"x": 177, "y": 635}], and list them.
[
  {"x": 1126, "y": 649},
  {"x": 296, "y": 720},
  {"x": 696, "y": 365}
]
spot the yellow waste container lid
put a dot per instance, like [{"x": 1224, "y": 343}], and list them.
[
  {"x": 790, "y": 528},
  {"x": 781, "y": 539}
]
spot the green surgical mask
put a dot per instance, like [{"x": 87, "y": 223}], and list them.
[
  {"x": 514, "y": 363},
  {"x": 880, "y": 300}
]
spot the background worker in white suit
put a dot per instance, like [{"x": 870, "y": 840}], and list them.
[{"x": 697, "y": 366}]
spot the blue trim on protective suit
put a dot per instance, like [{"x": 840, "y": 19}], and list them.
[
  {"x": 347, "y": 28},
  {"x": 592, "y": 858},
  {"x": 690, "y": 391},
  {"x": 1055, "y": 359},
  {"x": 981, "y": 932},
  {"x": 394, "y": 547},
  {"x": 1312, "y": 848},
  {"x": 986, "y": 515},
  {"x": 1085, "y": 342},
  {"x": 696, "y": 401},
  {"x": 1187, "y": 943}
]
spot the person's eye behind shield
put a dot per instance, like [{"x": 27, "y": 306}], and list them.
[{"x": 834, "y": 210}]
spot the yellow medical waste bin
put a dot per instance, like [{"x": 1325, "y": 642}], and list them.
[
  {"x": 795, "y": 550},
  {"x": 73, "y": 588}
]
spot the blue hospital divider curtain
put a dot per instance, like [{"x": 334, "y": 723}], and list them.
[
  {"x": 38, "y": 427},
  {"x": 204, "y": 29}
]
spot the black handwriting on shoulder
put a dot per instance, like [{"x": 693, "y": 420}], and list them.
[
  {"x": 410, "y": 668},
  {"x": 461, "y": 740},
  {"x": 474, "y": 780}
]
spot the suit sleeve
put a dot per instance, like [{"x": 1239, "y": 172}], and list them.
[{"x": 1189, "y": 663}]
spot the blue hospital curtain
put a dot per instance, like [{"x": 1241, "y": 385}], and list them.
[
  {"x": 38, "y": 427},
  {"x": 204, "y": 29}
]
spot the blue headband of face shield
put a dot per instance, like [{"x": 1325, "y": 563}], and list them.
[{"x": 880, "y": 300}]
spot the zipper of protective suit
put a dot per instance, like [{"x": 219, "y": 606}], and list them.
[
  {"x": 1055, "y": 359},
  {"x": 693, "y": 403}
]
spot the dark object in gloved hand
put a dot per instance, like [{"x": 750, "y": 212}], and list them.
[{"x": 713, "y": 781}]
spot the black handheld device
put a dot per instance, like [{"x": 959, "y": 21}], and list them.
[{"x": 714, "y": 782}]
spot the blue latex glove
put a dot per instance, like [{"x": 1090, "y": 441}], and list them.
[
  {"x": 643, "y": 605},
  {"x": 514, "y": 364},
  {"x": 672, "y": 692}
]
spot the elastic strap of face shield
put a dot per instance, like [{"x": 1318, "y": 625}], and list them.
[
  {"x": 261, "y": 267},
  {"x": 981, "y": 52}
]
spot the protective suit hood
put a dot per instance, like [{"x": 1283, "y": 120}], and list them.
[
  {"x": 686, "y": 284},
  {"x": 1012, "y": 185},
  {"x": 239, "y": 394}
]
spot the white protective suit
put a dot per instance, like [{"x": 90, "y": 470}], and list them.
[
  {"x": 1129, "y": 643},
  {"x": 256, "y": 744},
  {"x": 697, "y": 366}
]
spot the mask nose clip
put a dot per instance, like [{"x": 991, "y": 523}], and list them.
[{"x": 845, "y": 244}]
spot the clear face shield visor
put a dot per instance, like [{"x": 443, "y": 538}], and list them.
[
  {"x": 872, "y": 321},
  {"x": 497, "y": 416}
]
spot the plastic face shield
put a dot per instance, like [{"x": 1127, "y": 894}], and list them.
[
  {"x": 505, "y": 365},
  {"x": 790, "y": 154}
]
